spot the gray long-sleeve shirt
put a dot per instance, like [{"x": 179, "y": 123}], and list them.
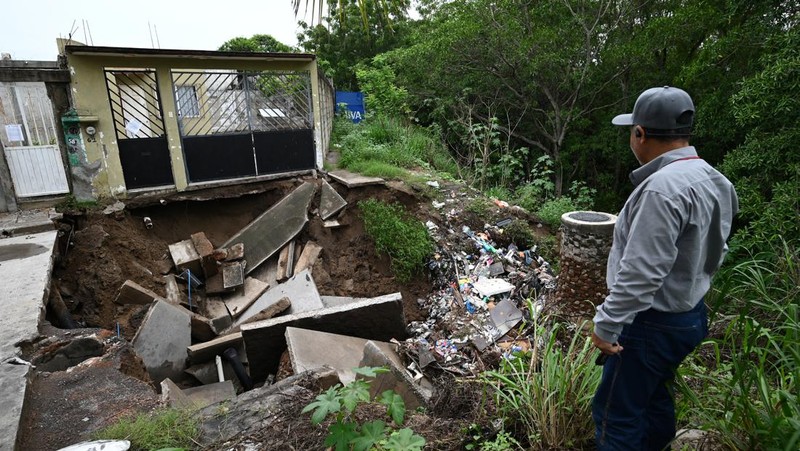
[{"x": 669, "y": 239}]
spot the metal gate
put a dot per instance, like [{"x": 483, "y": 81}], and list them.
[
  {"x": 139, "y": 126},
  {"x": 240, "y": 124},
  {"x": 29, "y": 140}
]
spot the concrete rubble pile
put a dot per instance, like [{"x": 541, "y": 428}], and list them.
[
  {"x": 232, "y": 311},
  {"x": 482, "y": 293}
]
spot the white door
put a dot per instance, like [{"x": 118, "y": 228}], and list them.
[{"x": 28, "y": 132}]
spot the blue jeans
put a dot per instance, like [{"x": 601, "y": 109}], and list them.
[{"x": 633, "y": 407}]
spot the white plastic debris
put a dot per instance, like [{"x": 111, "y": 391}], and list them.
[
  {"x": 438, "y": 205},
  {"x": 432, "y": 183},
  {"x": 97, "y": 445},
  {"x": 491, "y": 287}
]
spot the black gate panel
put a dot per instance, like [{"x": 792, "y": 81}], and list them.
[
  {"x": 145, "y": 162},
  {"x": 217, "y": 157},
  {"x": 284, "y": 150}
]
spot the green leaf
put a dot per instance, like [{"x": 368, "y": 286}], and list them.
[
  {"x": 328, "y": 402},
  {"x": 405, "y": 440},
  {"x": 340, "y": 434},
  {"x": 395, "y": 406},
  {"x": 371, "y": 433},
  {"x": 370, "y": 371},
  {"x": 353, "y": 393}
]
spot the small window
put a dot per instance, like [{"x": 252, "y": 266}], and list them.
[{"x": 186, "y": 98}]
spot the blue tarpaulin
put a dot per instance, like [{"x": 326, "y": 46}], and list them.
[{"x": 353, "y": 103}]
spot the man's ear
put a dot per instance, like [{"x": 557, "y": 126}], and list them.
[{"x": 638, "y": 131}]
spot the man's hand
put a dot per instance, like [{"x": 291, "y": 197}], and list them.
[{"x": 604, "y": 346}]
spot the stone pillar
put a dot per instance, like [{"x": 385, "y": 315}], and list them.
[{"x": 585, "y": 243}]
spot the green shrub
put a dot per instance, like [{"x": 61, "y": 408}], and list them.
[
  {"x": 550, "y": 212},
  {"x": 404, "y": 238},
  {"x": 169, "y": 428},
  {"x": 344, "y": 433},
  {"x": 548, "y": 392}
]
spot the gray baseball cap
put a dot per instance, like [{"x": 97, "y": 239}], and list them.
[{"x": 664, "y": 108}]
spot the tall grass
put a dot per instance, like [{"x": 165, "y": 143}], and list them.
[
  {"x": 386, "y": 146},
  {"x": 548, "y": 391},
  {"x": 747, "y": 387}
]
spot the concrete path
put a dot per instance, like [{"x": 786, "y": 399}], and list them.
[{"x": 25, "y": 266}]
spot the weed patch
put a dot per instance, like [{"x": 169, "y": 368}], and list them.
[
  {"x": 168, "y": 428},
  {"x": 404, "y": 238}
]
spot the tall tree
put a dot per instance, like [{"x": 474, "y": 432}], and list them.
[
  {"x": 529, "y": 64},
  {"x": 343, "y": 41},
  {"x": 255, "y": 43}
]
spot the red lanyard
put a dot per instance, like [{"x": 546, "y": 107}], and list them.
[{"x": 695, "y": 157}]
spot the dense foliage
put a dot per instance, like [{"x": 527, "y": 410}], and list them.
[{"x": 522, "y": 92}]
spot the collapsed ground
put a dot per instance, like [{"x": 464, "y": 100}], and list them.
[{"x": 98, "y": 252}]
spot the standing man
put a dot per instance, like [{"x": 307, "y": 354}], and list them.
[{"x": 669, "y": 240}]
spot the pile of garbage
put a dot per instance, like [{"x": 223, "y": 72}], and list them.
[{"x": 483, "y": 292}]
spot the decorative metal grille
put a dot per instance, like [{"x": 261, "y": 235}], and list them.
[
  {"x": 135, "y": 103},
  {"x": 280, "y": 101},
  {"x": 223, "y": 102}
]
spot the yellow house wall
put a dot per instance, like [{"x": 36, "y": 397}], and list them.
[{"x": 88, "y": 89}]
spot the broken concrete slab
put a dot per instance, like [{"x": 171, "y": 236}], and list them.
[
  {"x": 301, "y": 291},
  {"x": 205, "y": 249},
  {"x": 333, "y": 301},
  {"x": 309, "y": 349},
  {"x": 308, "y": 257},
  {"x": 202, "y": 328},
  {"x": 505, "y": 316},
  {"x": 286, "y": 262},
  {"x": 233, "y": 274},
  {"x": 203, "y": 352},
  {"x": 173, "y": 291},
  {"x": 414, "y": 393},
  {"x": 330, "y": 201},
  {"x": 196, "y": 397},
  {"x": 256, "y": 409},
  {"x": 270, "y": 311},
  {"x": 13, "y": 380},
  {"x": 243, "y": 299},
  {"x": 132, "y": 293},
  {"x": 216, "y": 310},
  {"x": 352, "y": 180},
  {"x": 207, "y": 395},
  {"x": 215, "y": 286},
  {"x": 375, "y": 319},
  {"x": 274, "y": 228},
  {"x": 162, "y": 339},
  {"x": 69, "y": 354},
  {"x": 185, "y": 256}
]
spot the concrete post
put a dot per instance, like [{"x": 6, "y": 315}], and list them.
[{"x": 586, "y": 238}]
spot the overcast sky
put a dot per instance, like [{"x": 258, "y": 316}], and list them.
[{"x": 29, "y": 28}]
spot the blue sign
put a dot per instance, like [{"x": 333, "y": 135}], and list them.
[{"x": 353, "y": 103}]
